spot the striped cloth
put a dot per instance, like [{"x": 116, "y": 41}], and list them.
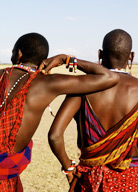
[
  {"x": 114, "y": 147},
  {"x": 105, "y": 162}
]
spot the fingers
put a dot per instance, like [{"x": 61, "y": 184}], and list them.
[
  {"x": 50, "y": 63},
  {"x": 70, "y": 177},
  {"x": 43, "y": 67},
  {"x": 73, "y": 184}
]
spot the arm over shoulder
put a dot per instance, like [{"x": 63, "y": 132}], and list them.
[
  {"x": 81, "y": 84},
  {"x": 98, "y": 78}
]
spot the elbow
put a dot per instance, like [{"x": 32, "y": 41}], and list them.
[
  {"x": 53, "y": 137},
  {"x": 113, "y": 78}
]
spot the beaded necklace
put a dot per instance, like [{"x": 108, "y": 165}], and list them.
[
  {"x": 26, "y": 68},
  {"x": 121, "y": 70},
  {"x": 20, "y": 66},
  {"x": 11, "y": 89}
]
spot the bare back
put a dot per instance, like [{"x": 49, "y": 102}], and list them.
[{"x": 111, "y": 105}]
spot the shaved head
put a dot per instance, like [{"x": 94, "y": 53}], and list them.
[
  {"x": 117, "y": 45},
  {"x": 33, "y": 46}
]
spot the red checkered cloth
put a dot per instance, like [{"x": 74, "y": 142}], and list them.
[
  {"x": 2, "y": 88},
  {"x": 11, "y": 165},
  {"x": 10, "y": 122},
  {"x": 112, "y": 181}
]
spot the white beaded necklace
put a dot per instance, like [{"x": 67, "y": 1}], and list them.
[
  {"x": 11, "y": 89},
  {"x": 119, "y": 70},
  {"x": 20, "y": 66},
  {"x": 29, "y": 69}
]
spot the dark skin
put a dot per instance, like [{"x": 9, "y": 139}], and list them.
[
  {"x": 117, "y": 101},
  {"x": 45, "y": 88}
]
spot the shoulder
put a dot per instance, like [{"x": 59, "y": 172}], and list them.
[
  {"x": 45, "y": 85},
  {"x": 128, "y": 89},
  {"x": 131, "y": 81}
]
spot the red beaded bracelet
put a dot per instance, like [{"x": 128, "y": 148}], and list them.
[
  {"x": 75, "y": 64},
  {"x": 71, "y": 62},
  {"x": 71, "y": 167}
]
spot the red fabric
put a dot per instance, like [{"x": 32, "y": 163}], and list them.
[
  {"x": 10, "y": 122},
  {"x": 112, "y": 181},
  {"x": 115, "y": 150},
  {"x": 2, "y": 88},
  {"x": 12, "y": 164},
  {"x": 11, "y": 185}
]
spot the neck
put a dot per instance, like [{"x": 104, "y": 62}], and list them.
[
  {"x": 26, "y": 67},
  {"x": 114, "y": 63},
  {"x": 29, "y": 65}
]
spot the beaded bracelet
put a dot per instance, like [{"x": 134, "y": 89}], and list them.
[
  {"x": 71, "y": 62},
  {"x": 75, "y": 64},
  {"x": 71, "y": 167},
  {"x": 67, "y": 61}
]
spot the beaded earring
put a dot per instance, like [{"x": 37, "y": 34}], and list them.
[
  {"x": 129, "y": 67},
  {"x": 99, "y": 63}
]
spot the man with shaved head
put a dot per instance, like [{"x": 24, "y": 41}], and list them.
[{"x": 107, "y": 123}]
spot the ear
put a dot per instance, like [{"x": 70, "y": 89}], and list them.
[
  {"x": 20, "y": 55},
  {"x": 131, "y": 56},
  {"x": 100, "y": 54}
]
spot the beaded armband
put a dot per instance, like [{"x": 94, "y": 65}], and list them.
[
  {"x": 75, "y": 64},
  {"x": 71, "y": 167},
  {"x": 71, "y": 63}
]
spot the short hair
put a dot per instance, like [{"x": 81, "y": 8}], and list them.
[
  {"x": 33, "y": 46},
  {"x": 117, "y": 44}
]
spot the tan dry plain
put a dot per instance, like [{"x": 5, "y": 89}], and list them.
[{"x": 44, "y": 172}]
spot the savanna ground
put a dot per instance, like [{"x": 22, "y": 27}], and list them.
[{"x": 44, "y": 172}]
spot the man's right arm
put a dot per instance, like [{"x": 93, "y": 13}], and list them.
[{"x": 98, "y": 78}]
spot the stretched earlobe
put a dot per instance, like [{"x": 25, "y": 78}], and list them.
[
  {"x": 100, "y": 56},
  {"x": 131, "y": 57}
]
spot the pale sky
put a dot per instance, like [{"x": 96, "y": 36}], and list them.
[{"x": 72, "y": 27}]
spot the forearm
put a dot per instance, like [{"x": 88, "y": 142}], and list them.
[
  {"x": 60, "y": 123},
  {"x": 88, "y": 67},
  {"x": 58, "y": 148},
  {"x": 91, "y": 67},
  {"x": 85, "y": 66}
]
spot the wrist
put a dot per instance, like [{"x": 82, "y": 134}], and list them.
[
  {"x": 69, "y": 169},
  {"x": 64, "y": 57}
]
